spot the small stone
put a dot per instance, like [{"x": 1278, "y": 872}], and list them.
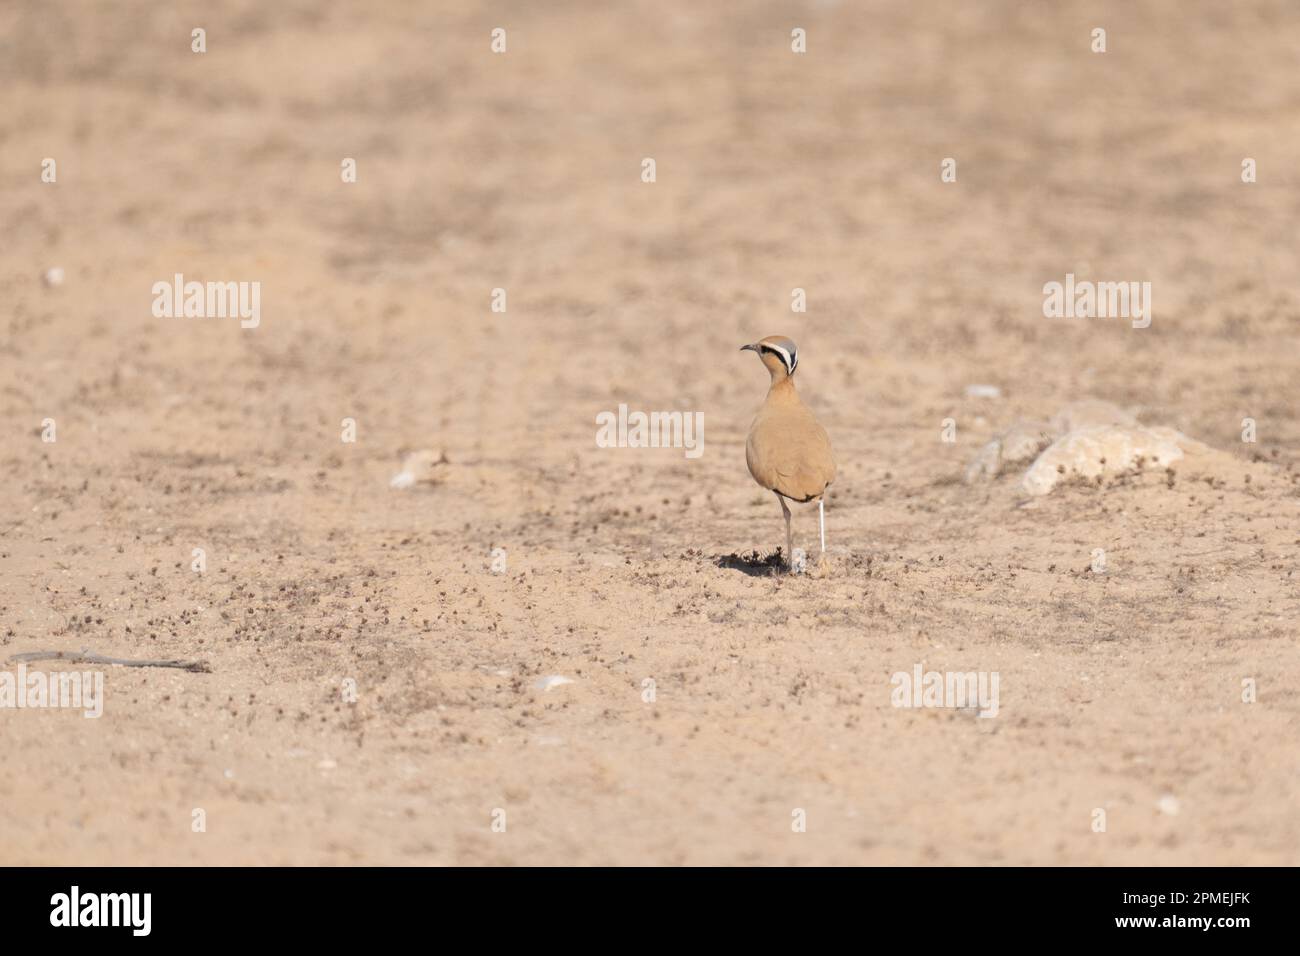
[
  {"x": 554, "y": 680},
  {"x": 418, "y": 466}
]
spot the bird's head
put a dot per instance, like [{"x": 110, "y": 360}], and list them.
[{"x": 778, "y": 353}]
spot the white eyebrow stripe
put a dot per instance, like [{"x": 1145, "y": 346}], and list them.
[{"x": 785, "y": 356}]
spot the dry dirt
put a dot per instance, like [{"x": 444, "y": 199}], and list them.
[{"x": 1120, "y": 691}]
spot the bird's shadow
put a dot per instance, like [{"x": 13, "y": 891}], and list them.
[{"x": 754, "y": 564}]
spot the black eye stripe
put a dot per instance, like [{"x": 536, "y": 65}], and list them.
[{"x": 790, "y": 364}]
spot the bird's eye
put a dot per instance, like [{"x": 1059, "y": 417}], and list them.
[{"x": 787, "y": 358}]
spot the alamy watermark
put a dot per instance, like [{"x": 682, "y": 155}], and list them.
[
  {"x": 951, "y": 689},
  {"x": 77, "y": 690},
  {"x": 208, "y": 300},
  {"x": 654, "y": 430},
  {"x": 1098, "y": 300},
  {"x": 75, "y": 908}
]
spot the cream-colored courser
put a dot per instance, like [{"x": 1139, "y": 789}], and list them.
[{"x": 788, "y": 451}]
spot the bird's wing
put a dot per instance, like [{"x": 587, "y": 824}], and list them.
[{"x": 802, "y": 461}]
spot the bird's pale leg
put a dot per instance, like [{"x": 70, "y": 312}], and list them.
[
  {"x": 789, "y": 536},
  {"x": 821, "y": 517}
]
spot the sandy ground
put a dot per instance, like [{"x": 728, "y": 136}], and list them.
[{"x": 1120, "y": 691}]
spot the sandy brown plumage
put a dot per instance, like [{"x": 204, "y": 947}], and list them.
[{"x": 788, "y": 451}]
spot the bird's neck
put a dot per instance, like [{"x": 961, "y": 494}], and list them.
[{"x": 782, "y": 389}]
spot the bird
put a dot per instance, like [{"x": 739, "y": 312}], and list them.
[{"x": 788, "y": 451}]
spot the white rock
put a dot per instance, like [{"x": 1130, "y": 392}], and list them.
[
  {"x": 1168, "y": 805},
  {"x": 1024, "y": 440},
  {"x": 983, "y": 391},
  {"x": 1107, "y": 449},
  {"x": 554, "y": 680},
  {"x": 54, "y": 277},
  {"x": 422, "y": 465},
  {"x": 1019, "y": 443},
  {"x": 1084, "y": 439}
]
